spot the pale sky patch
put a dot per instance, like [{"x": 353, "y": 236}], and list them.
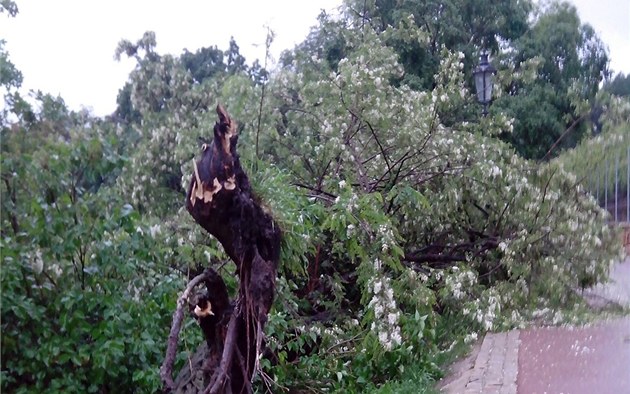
[
  {"x": 66, "y": 47},
  {"x": 611, "y": 21}
]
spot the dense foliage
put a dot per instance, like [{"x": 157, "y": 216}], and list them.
[
  {"x": 569, "y": 58},
  {"x": 409, "y": 225}
]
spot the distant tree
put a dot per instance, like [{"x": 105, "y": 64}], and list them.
[
  {"x": 258, "y": 73},
  {"x": 144, "y": 48},
  {"x": 200, "y": 66},
  {"x": 619, "y": 86},
  {"x": 204, "y": 63},
  {"x": 458, "y": 25},
  {"x": 326, "y": 41},
  {"x": 234, "y": 60},
  {"x": 573, "y": 62},
  {"x": 10, "y": 82},
  {"x": 9, "y": 7},
  {"x": 10, "y": 76},
  {"x": 124, "y": 109}
]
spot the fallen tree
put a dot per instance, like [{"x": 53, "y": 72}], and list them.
[{"x": 220, "y": 200}]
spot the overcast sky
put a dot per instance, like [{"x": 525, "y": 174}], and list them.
[{"x": 66, "y": 47}]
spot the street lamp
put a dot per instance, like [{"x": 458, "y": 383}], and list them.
[{"x": 484, "y": 76}]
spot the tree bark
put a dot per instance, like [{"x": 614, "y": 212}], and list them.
[{"x": 220, "y": 199}]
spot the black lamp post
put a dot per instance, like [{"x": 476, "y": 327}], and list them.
[{"x": 484, "y": 78}]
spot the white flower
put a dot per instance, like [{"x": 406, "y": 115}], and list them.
[
  {"x": 396, "y": 339},
  {"x": 378, "y": 310},
  {"x": 470, "y": 337},
  {"x": 377, "y": 287},
  {"x": 56, "y": 270},
  {"x": 38, "y": 263},
  {"x": 495, "y": 171},
  {"x": 154, "y": 230}
]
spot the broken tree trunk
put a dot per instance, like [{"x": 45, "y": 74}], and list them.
[{"x": 221, "y": 201}]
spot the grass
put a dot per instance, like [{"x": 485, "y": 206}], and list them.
[{"x": 415, "y": 380}]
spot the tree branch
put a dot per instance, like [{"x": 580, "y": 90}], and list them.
[
  {"x": 567, "y": 131},
  {"x": 166, "y": 370}
]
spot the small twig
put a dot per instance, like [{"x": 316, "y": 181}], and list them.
[
  {"x": 314, "y": 189},
  {"x": 346, "y": 341},
  {"x": 50, "y": 278},
  {"x": 259, "y": 336},
  {"x": 567, "y": 131},
  {"x": 166, "y": 369}
]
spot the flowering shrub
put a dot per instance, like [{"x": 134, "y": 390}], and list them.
[
  {"x": 448, "y": 214},
  {"x": 87, "y": 293}
]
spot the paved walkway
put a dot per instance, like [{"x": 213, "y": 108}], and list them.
[
  {"x": 618, "y": 288},
  {"x": 590, "y": 359},
  {"x": 587, "y": 360}
]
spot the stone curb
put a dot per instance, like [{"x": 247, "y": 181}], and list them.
[{"x": 495, "y": 369}]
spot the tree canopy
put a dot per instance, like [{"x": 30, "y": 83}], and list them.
[{"x": 567, "y": 57}]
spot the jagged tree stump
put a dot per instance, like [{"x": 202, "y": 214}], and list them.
[{"x": 220, "y": 199}]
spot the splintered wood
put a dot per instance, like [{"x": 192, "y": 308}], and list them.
[{"x": 200, "y": 192}]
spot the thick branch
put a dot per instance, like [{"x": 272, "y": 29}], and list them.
[
  {"x": 166, "y": 370},
  {"x": 218, "y": 379},
  {"x": 436, "y": 253},
  {"x": 434, "y": 257}
]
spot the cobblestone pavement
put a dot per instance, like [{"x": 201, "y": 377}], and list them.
[
  {"x": 591, "y": 359},
  {"x": 495, "y": 368}
]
